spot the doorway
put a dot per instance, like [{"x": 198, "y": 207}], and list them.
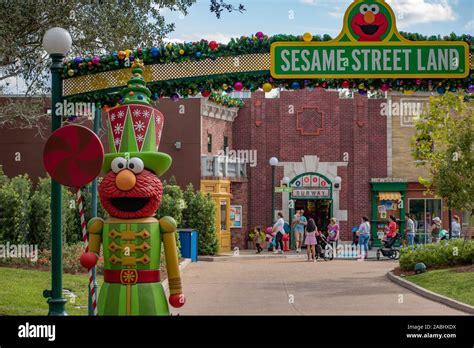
[{"x": 318, "y": 209}]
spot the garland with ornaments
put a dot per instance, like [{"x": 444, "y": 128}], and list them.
[
  {"x": 250, "y": 81},
  {"x": 226, "y": 100}
]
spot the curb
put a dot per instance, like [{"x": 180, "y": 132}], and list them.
[
  {"x": 430, "y": 295},
  {"x": 182, "y": 266}
]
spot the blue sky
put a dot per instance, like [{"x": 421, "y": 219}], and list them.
[{"x": 316, "y": 16}]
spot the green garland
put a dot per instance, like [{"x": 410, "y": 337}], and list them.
[
  {"x": 226, "y": 100},
  {"x": 202, "y": 50},
  {"x": 251, "y": 81}
]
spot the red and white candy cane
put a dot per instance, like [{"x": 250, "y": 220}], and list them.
[{"x": 86, "y": 246}]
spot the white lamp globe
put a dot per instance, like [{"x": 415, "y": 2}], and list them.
[
  {"x": 286, "y": 180},
  {"x": 337, "y": 180},
  {"x": 273, "y": 161},
  {"x": 57, "y": 41}
]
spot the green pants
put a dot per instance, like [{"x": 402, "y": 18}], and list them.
[{"x": 137, "y": 299}]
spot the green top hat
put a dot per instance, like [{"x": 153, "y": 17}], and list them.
[{"x": 134, "y": 127}]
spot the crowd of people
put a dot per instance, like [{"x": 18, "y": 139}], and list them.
[{"x": 306, "y": 232}]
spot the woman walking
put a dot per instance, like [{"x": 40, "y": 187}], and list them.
[
  {"x": 310, "y": 240},
  {"x": 364, "y": 236}
]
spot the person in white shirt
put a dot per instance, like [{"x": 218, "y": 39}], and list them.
[
  {"x": 410, "y": 230},
  {"x": 364, "y": 236},
  {"x": 279, "y": 228},
  {"x": 455, "y": 228}
]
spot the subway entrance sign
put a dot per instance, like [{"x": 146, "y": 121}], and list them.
[{"x": 369, "y": 46}]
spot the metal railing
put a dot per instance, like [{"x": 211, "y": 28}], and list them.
[{"x": 223, "y": 166}]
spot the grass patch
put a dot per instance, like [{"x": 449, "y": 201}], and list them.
[
  {"x": 21, "y": 292},
  {"x": 448, "y": 282}
]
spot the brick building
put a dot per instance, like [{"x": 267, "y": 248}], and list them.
[
  {"x": 317, "y": 136},
  {"x": 313, "y": 134}
]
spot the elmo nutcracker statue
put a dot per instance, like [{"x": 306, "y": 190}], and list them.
[{"x": 131, "y": 193}]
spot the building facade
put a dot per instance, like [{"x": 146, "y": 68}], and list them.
[{"x": 317, "y": 135}]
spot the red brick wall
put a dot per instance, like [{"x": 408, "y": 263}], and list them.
[
  {"x": 354, "y": 126},
  {"x": 218, "y": 129},
  {"x": 239, "y": 191}
]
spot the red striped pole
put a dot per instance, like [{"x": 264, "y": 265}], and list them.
[{"x": 86, "y": 246}]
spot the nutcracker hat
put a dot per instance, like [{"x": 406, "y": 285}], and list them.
[{"x": 134, "y": 127}]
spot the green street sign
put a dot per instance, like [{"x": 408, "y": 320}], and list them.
[
  {"x": 369, "y": 46},
  {"x": 353, "y": 60},
  {"x": 283, "y": 189}
]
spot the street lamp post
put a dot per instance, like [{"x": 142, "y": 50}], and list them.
[
  {"x": 57, "y": 42},
  {"x": 273, "y": 162}
]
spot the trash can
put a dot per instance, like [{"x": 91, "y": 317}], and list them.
[{"x": 189, "y": 246}]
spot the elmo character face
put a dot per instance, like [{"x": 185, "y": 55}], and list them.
[
  {"x": 369, "y": 24},
  {"x": 129, "y": 190}
]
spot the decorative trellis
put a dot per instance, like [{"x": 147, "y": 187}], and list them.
[{"x": 171, "y": 71}]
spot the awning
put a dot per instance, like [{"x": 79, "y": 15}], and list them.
[{"x": 390, "y": 196}]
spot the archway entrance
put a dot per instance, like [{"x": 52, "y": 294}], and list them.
[{"x": 312, "y": 192}]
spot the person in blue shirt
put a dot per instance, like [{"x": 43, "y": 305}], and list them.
[{"x": 299, "y": 224}]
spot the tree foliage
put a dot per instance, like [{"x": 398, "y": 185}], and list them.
[
  {"x": 200, "y": 214},
  {"x": 96, "y": 26},
  {"x": 444, "y": 143}
]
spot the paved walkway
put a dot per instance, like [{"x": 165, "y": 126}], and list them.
[{"x": 292, "y": 286}]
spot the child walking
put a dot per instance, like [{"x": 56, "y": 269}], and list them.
[{"x": 310, "y": 240}]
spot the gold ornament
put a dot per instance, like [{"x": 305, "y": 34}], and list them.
[
  {"x": 307, "y": 37},
  {"x": 267, "y": 87}
]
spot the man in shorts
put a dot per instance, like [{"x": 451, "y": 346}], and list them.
[{"x": 299, "y": 224}]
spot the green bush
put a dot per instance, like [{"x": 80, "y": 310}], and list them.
[
  {"x": 451, "y": 253},
  {"x": 15, "y": 209},
  {"x": 172, "y": 203},
  {"x": 3, "y": 178},
  {"x": 200, "y": 214},
  {"x": 40, "y": 215}
]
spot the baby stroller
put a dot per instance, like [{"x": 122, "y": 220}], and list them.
[
  {"x": 388, "y": 249},
  {"x": 324, "y": 249}
]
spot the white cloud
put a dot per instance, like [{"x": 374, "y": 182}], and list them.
[
  {"x": 469, "y": 26},
  {"x": 409, "y": 12},
  {"x": 334, "y": 14},
  {"x": 219, "y": 37}
]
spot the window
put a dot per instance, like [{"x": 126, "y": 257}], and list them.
[
  {"x": 226, "y": 143},
  {"x": 209, "y": 143},
  {"x": 223, "y": 216},
  {"x": 425, "y": 210}
]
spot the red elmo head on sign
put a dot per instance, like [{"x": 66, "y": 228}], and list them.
[{"x": 369, "y": 24}]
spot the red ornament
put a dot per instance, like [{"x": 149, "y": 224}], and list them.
[
  {"x": 345, "y": 84},
  {"x": 177, "y": 300},
  {"x": 418, "y": 82},
  {"x": 213, "y": 45},
  {"x": 206, "y": 93},
  {"x": 139, "y": 50},
  {"x": 385, "y": 87},
  {"x": 88, "y": 260},
  {"x": 325, "y": 85},
  {"x": 73, "y": 155},
  {"x": 259, "y": 35},
  {"x": 238, "y": 86}
]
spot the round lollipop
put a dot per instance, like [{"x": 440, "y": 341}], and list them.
[{"x": 73, "y": 155}]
